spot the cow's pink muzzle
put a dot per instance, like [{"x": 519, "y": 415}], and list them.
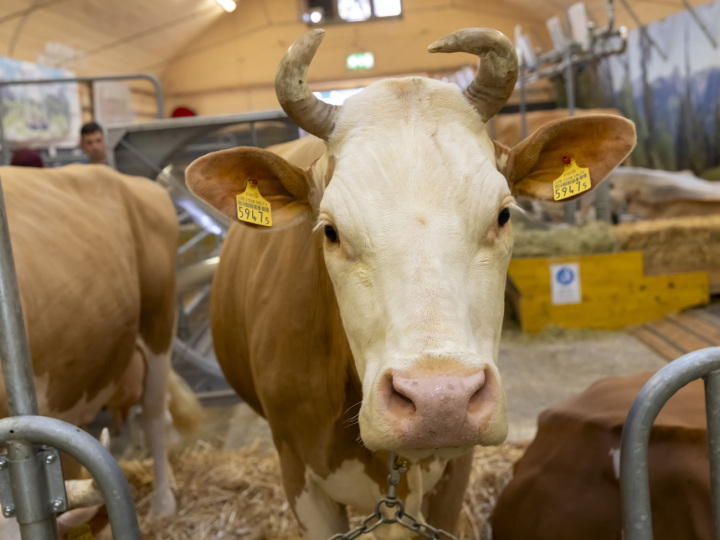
[{"x": 440, "y": 411}]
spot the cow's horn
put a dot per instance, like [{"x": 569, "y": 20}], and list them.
[
  {"x": 82, "y": 493},
  {"x": 498, "y": 69},
  {"x": 308, "y": 112}
]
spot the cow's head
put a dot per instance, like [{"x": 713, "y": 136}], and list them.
[{"x": 413, "y": 200}]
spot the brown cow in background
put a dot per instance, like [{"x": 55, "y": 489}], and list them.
[{"x": 95, "y": 259}]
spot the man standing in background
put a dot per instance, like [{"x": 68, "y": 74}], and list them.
[{"x": 92, "y": 142}]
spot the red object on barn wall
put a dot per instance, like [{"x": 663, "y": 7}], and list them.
[{"x": 179, "y": 112}]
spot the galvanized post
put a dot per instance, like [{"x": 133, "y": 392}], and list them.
[
  {"x": 712, "y": 407},
  {"x": 523, "y": 100},
  {"x": 4, "y": 151},
  {"x": 634, "y": 482},
  {"x": 34, "y": 515},
  {"x": 570, "y": 206},
  {"x": 92, "y": 455}
]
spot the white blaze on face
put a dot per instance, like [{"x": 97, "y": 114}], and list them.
[{"x": 419, "y": 269}]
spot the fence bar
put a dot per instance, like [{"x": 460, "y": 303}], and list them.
[
  {"x": 643, "y": 30},
  {"x": 712, "y": 407},
  {"x": 569, "y": 207},
  {"x": 14, "y": 350},
  {"x": 159, "y": 96},
  {"x": 699, "y": 22},
  {"x": 634, "y": 483},
  {"x": 33, "y": 512},
  {"x": 92, "y": 455}
]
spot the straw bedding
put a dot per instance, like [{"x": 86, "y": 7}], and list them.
[{"x": 238, "y": 494}]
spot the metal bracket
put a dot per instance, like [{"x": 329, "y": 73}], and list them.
[
  {"x": 50, "y": 458},
  {"x": 49, "y": 461},
  {"x": 6, "y": 498}
]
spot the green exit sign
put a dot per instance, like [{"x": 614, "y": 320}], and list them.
[{"x": 361, "y": 60}]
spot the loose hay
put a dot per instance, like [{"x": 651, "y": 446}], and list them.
[
  {"x": 596, "y": 237},
  {"x": 238, "y": 494}
]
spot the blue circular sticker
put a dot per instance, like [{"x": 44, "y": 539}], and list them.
[{"x": 565, "y": 276}]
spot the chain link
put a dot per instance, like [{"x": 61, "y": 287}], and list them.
[{"x": 391, "y": 502}]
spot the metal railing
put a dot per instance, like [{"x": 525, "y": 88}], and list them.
[
  {"x": 159, "y": 96},
  {"x": 32, "y": 491},
  {"x": 634, "y": 482}
]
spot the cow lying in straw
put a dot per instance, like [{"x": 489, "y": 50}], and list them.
[{"x": 366, "y": 319}]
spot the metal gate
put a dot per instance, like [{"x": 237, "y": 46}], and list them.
[{"x": 634, "y": 482}]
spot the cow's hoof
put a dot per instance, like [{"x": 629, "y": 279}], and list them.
[{"x": 163, "y": 504}]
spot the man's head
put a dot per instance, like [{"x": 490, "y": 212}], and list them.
[{"x": 92, "y": 142}]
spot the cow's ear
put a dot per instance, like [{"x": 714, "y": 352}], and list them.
[
  {"x": 219, "y": 177},
  {"x": 596, "y": 142}
]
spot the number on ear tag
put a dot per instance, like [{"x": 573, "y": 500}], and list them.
[
  {"x": 252, "y": 207},
  {"x": 572, "y": 181}
]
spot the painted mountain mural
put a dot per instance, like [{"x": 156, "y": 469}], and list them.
[{"x": 668, "y": 82}]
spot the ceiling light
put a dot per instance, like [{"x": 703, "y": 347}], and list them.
[
  {"x": 313, "y": 15},
  {"x": 227, "y": 5}
]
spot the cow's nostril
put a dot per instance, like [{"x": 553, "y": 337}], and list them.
[
  {"x": 398, "y": 399},
  {"x": 479, "y": 398},
  {"x": 401, "y": 399}
]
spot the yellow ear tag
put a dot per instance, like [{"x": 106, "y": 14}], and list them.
[
  {"x": 83, "y": 532},
  {"x": 252, "y": 207},
  {"x": 572, "y": 181}
]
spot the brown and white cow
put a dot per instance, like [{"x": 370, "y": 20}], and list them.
[
  {"x": 95, "y": 256},
  {"x": 367, "y": 318}
]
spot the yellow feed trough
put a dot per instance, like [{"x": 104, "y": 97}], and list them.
[{"x": 606, "y": 291}]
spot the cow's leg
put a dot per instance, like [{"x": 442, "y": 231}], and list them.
[
  {"x": 155, "y": 418},
  {"x": 319, "y": 515},
  {"x": 444, "y": 503},
  {"x": 9, "y": 528}
]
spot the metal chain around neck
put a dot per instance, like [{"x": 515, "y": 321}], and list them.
[{"x": 398, "y": 466}]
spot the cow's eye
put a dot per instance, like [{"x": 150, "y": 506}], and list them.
[
  {"x": 504, "y": 216},
  {"x": 331, "y": 234}
]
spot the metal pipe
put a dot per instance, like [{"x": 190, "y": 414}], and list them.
[
  {"x": 193, "y": 276},
  {"x": 642, "y": 28},
  {"x": 14, "y": 350},
  {"x": 634, "y": 482},
  {"x": 200, "y": 297},
  {"x": 194, "y": 241},
  {"x": 189, "y": 354},
  {"x": 91, "y": 454},
  {"x": 30, "y": 494},
  {"x": 159, "y": 97},
  {"x": 35, "y": 520},
  {"x": 712, "y": 408},
  {"x": 699, "y": 22},
  {"x": 523, "y": 102},
  {"x": 4, "y": 150},
  {"x": 610, "y": 15},
  {"x": 570, "y": 206},
  {"x": 142, "y": 157}
]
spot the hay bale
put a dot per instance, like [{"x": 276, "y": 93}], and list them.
[
  {"x": 238, "y": 494},
  {"x": 595, "y": 237},
  {"x": 685, "y": 244}
]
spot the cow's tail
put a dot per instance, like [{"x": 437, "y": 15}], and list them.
[{"x": 185, "y": 408}]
